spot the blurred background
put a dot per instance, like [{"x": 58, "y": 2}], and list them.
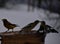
[{"x": 23, "y": 12}]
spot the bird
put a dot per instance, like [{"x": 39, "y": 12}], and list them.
[
  {"x": 42, "y": 26},
  {"x": 9, "y": 25},
  {"x": 46, "y": 28},
  {"x": 29, "y": 26}
]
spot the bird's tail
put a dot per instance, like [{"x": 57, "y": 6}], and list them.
[{"x": 54, "y": 31}]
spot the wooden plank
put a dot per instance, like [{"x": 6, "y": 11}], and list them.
[{"x": 19, "y": 38}]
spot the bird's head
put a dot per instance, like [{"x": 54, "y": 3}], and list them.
[
  {"x": 43, "y": 22},
  {"x": 4, "y": 19},
  {"x": 37, "y": 21}
]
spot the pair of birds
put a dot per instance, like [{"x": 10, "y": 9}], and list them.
[{"x": 29, "y": 26}]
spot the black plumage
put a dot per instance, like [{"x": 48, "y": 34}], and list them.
[
  {"x": 53, "y": 31},
  {"x": 46, "y": 28},
  {"x": 50, "y": 29}
]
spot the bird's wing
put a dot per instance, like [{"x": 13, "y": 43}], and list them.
[
  {"x": 27, "y": 26},
  {"x": 9, "y": 23},
  {"x": 48, "y": 26},
  {"x": 53, "y": 31}
]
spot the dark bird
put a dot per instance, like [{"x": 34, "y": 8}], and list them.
[
  {"x": 9, "y": 25},
  {"x": 30, "y": 26},
  {"x": 46, "y": 28}
]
